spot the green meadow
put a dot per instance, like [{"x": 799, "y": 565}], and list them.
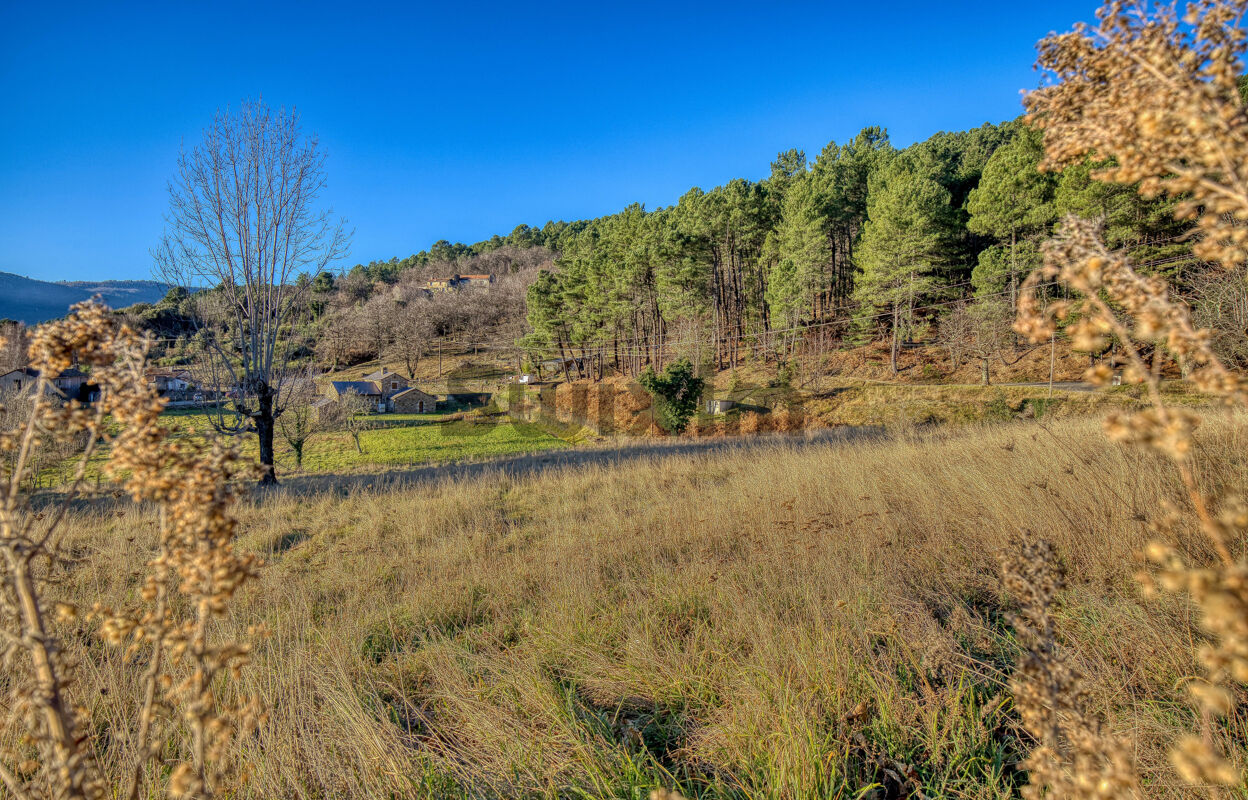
[{"x": 398, "y": 440}]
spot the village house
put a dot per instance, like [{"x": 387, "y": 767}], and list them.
[
  {"x": 379, "y": 387},
  {"x": 18, "y": 379},
  {"x": 442, "y": 284},
  {"x": 389, "y": 382},
  {"x": 169, "y": 380},
  {"x": 71, "y": 383},
  {"x": 482, "y": 281}
]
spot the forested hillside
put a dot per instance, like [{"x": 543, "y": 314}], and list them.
[{"x": 866, "y": 241}]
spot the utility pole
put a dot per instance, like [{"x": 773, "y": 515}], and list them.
[{"x": 1052, "y": 359}]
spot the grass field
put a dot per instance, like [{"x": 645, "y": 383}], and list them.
[
  {"x": 779, "y": 623},
  {"x": 406, "y": 439}
]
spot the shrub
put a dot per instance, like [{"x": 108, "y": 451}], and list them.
[{"x": 675, "y": 394}]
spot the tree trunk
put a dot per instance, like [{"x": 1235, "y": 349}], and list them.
[
  {"x": 264, "y": 430},
  {"x": 987, "y": 379}
]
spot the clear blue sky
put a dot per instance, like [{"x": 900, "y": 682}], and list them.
[{"x": 460, "y": 120}]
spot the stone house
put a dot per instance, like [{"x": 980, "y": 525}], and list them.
[
  {"x": 413, "y": 401},
  {"x": 390, "y": 383},
  {"x": 168, "y": 381},
  {"x": 483, "y": 280},
  {"x": 380, "y": 387},
  {"x": 18, "y": 379}
]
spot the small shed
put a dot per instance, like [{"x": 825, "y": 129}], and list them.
[
  {"x": 719, "y": 406},
  {"x": 413, "y": 401}
]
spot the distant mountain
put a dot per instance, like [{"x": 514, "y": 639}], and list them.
[{"x": 32, "y": 301}]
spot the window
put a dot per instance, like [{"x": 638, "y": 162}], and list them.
[{"x": 394, "y": 384}]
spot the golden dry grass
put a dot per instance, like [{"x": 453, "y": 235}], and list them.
[{"x": 778, "y": 623}]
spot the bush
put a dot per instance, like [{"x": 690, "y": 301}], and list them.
[{"x": 675, "y": 394}]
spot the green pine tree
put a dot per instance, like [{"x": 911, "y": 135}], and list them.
[
  {"x": 901, "y": 246},
  {"x": 1014, "y": 205}
]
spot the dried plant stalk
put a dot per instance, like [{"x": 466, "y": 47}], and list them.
[
  {"x": 195, "y": 568},
  {"x": 1075, "y": 757},
  {"x": 1157, "y": 96}
]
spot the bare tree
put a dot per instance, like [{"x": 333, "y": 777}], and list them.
[
  {"x": 342, "y": 338},
  {"x": 377, "y": 317},
  {"x": 1219, "y": 299},
  {"x": 301, "y": 418},
  {"x": 979, "y": 330},
  {"x": 412, "y": 331},
  {"x": 350, "y": 414},
  {"x": 243, "y": 225},
  {"x": 954, "y": 331}
]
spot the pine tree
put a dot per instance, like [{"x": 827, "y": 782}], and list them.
[
  {"x": 1014, "y": 205},
  {"x": 1145, "y": 228},
  {"x": 906, "y": 228},
  {"x": 803, "y": 255}
]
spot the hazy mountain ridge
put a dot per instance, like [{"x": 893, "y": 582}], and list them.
[{"x": 32, "y": 301}]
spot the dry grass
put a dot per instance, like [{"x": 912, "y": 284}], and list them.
[{"x": 790, "y": 623}]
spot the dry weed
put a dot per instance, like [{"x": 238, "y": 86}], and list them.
[
  {"x": 1158, "y": 96},
  {"x": 190, "y": 581}
]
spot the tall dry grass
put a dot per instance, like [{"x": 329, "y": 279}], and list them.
[{"x": 790, "y": 623}]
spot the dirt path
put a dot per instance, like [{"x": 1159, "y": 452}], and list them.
[{"x": 535, "y": 463}]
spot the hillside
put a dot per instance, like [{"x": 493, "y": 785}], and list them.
[{"x": 31, "y": 301}]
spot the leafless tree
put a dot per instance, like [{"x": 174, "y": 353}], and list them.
[
  {"x": 377, "y": 317},
  {"x": 1219, "y": 300},
  {"x": 243, "y": 224},
  {"x": 301, "y": 419},
  {"x": 412, "y": 332},
  {"x": 340, "y": 339},
  {"x": 348, "y": 413},
  {"x": 979, "y": 330}
]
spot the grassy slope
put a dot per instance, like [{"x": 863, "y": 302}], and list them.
[{"x": 776, "y": 624}]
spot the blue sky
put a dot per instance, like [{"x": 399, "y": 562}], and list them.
[{"x": 460, "y": 120}]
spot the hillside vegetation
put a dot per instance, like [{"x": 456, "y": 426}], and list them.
[{"x": 785, "y": 623}]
